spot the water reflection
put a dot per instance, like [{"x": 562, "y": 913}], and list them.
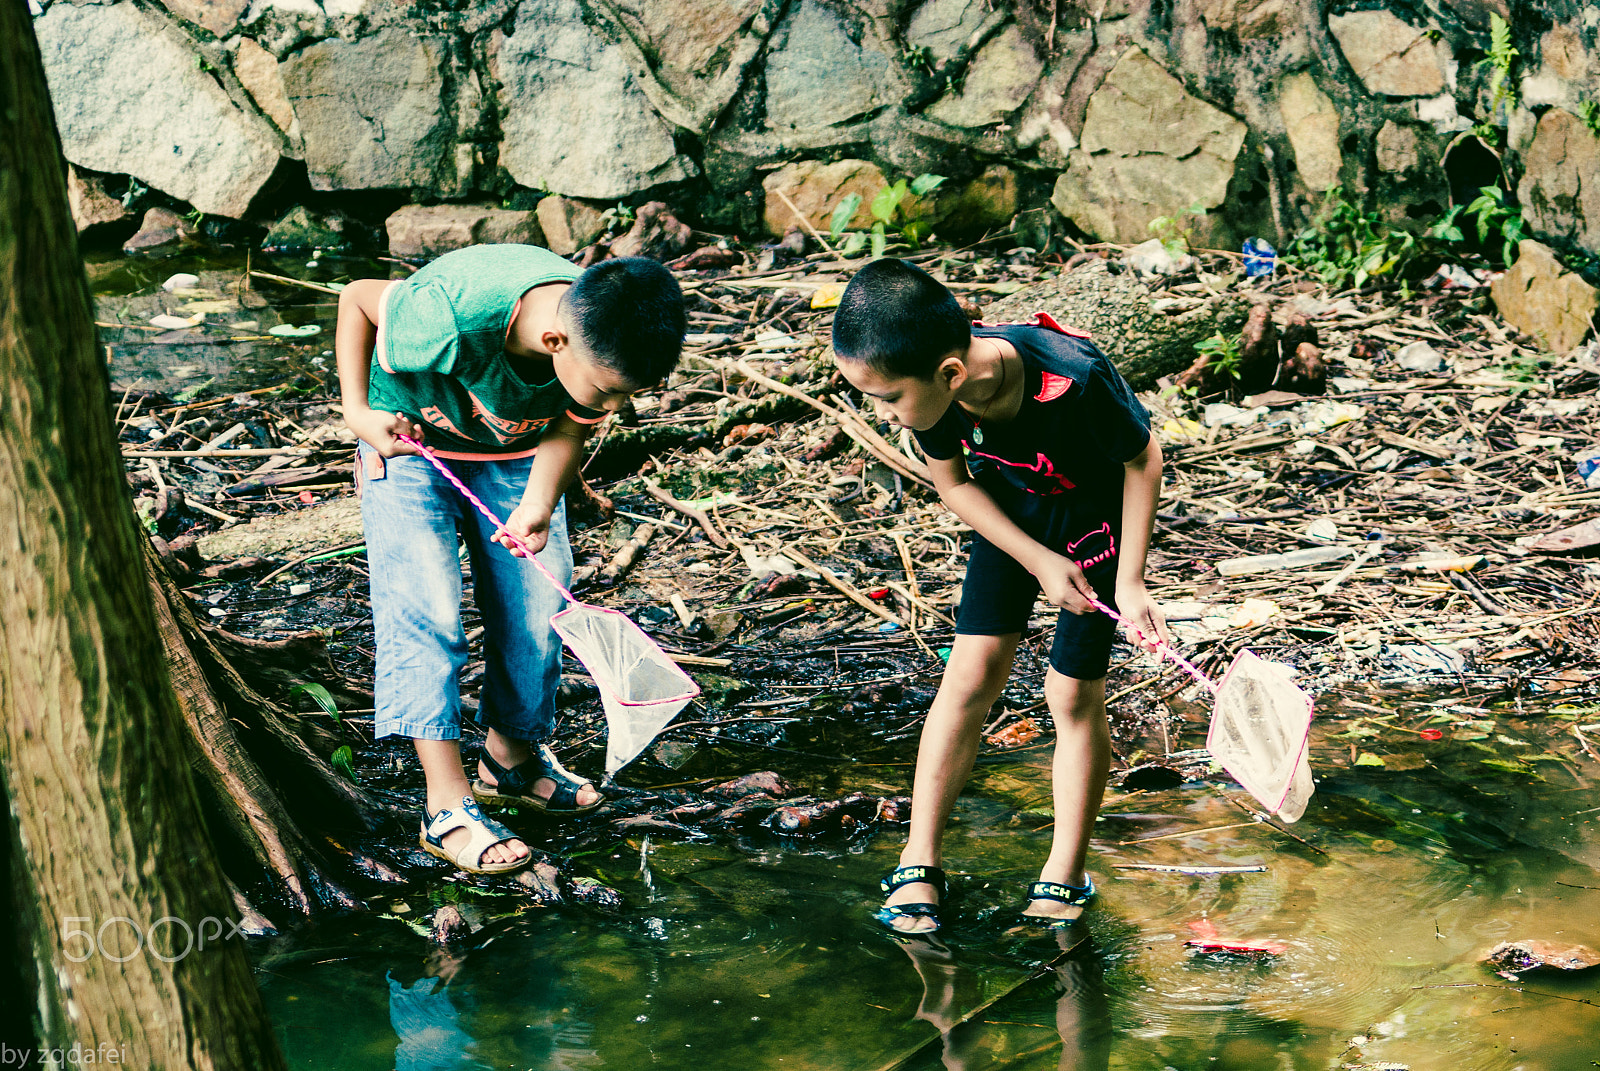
[{"x": 952, "y": 1003}]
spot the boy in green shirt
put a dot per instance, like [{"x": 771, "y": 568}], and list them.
[{"x": 502, "y": 358}]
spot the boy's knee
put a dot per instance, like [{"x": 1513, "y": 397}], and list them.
[{"x": 1071, "y": 697}]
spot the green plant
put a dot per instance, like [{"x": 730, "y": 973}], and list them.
[
  {"x": 886, "y": 210},
  {"x": 1176, "y": 232},
  {"x": 1222, "y": 353},
  {"x": 919, "y": 58},
  {"x": 1346, "y": 246},
  {"x": 135, "y": 190},
  {"x": 618, "y": 217},
  {"x": 1495, "y": 215},
  {"x": 1589, "y": 112},
  {"x": 1501, "y": 58}
]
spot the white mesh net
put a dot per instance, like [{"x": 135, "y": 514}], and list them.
[
  {"x": 641, "y": 687},
  {"x": 1259, "y": 731}
]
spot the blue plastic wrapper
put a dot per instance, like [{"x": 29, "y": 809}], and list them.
[{"x": 1259, "y": 257}]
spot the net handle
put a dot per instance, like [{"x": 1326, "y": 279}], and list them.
[
  {"x": 1161, "y": 647},
  {"x": 444, "y": 470}
]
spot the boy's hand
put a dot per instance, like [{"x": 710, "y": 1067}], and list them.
[
  {"x": 529, "y": 523},
  {"x": 1064, "y": 585},
  {"x": 378, "y": 430},
  {"x": 1135, "y": 604}
]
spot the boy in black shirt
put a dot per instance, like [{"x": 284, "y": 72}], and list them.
[{"x": 1059, "y": 482}]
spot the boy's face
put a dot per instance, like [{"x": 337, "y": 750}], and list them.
[
  {"x": 908, "y": 401},
  {"x": 589, "y": 383}
]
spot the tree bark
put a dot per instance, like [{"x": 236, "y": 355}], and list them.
[{"x": 103, "y": 822}]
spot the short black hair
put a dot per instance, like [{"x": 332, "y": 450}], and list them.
[
  {"x": 899, "y": 320},
  {"x": 628, "y": 314}
]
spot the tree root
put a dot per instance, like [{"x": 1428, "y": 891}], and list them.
[{"x": 236, "y": 736}]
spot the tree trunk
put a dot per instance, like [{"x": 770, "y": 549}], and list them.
[{"x": 107, "y": 846}]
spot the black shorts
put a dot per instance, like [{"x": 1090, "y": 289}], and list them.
[{"x": 998, "y": 594}]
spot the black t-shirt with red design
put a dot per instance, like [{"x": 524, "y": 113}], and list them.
[{"x": 1078, "y": 424}]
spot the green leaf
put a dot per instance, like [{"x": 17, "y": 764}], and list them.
[
  {"x": 854, "y": 242},
  {"x": 319, "y": 695},
  {"x": 188, "y": 394},
  {"x": 926, "y": 184},
  {"x": 843, "y": 213},
  {"x": 344, "y": 760},
  {"x": 914, "y": 232},
  {"x": 880, "y": 241},
  {"x": 1369, "y": 759},
  {"x": 887, "y": 200}
]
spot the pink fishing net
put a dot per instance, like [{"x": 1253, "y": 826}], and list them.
[{"x": 1260, "y": 726}]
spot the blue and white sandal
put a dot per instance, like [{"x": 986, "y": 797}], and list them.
[
  {"x": 485, "y": 834},
  {"x": 1070, "y": 895},
  {"x": 911, "y": 875},
  {"x": 513, "y": 787}
]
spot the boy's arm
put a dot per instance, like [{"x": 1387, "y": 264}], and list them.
[
  {"x": 353, "y": 339},
  {"x": 554, "y": 466},
  {"x": 1063, "y": 583},
  {"x": 1141, "y": 488}
]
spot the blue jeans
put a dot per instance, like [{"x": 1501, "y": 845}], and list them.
[{"x": 413, "y": 518}]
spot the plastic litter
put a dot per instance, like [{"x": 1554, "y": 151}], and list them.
[
  {"x": 1207, "y": 939},
  {"x": 1294, "y": 559},
  {"x": 1260, "y": 724},
  {"x": 1221, "y": 413},
  {"x": 1589, "y": 468},
  {"x": 1418, "y": 357},
  {"x": 1322, "y": 528},
  {"x": 1259, "y": 257},
  {"x": 294, "y": 330},
  {"x": 181, "y": 281},
  {"x": 641, "y": 688},
  {"x": 1154, "y": 258}
]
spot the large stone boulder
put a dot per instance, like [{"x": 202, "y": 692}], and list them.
[
  {"x": 1397, "y": 148},
  {"x": 690, "y": 56},
  {"x": 1560, "y": 190},
  {"x": 257, "y": 70},
  {"x": 820, "y": 73},
  {"x": 1391, "y": 56},
  {"x": 219, "y": 17},
  {"x": 374, "y": 113},
  {"x": 1149, "y": 149},
  {"x": 90, "y": 203},
  {"x": 568, "y": 225},
  {"x": 816, "y": 189},
  {"x": 574, "y": 121},
  {"x": 1540, "y": 297},
  {"x": 998, "y": 82},
  {"x": 1146, "y": 333},
  {"x": 161, "y": 119},
  {"x": 1251, "y": 18},
  {"x": 987, "y": 202},
  {"x": 1312, "y": 123},
  {"x": 429, "y": 230}
]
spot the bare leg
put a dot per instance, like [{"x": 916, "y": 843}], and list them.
[
  {"x": 509, "y": 751},
  {"x": 973, "y": 680},
  {"x": 1078, "y": 777},
  {"x": 447, "y": 784}
]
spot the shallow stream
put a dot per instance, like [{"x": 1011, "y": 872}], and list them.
[
  {"x": 760, "y": 953},
  {"x": 763, "y": 954}
]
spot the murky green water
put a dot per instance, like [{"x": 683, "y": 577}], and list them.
[{"x": 764, "y": 954}]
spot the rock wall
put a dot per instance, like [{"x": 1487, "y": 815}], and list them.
[{"x": 1234, "y": 115}]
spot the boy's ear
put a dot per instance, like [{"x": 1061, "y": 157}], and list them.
[
  {"x": 951, "y": 373},
  {"x": 554, "y": 339}
]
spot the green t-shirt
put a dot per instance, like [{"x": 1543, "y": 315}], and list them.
[{"x": 441, "y": 353}]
